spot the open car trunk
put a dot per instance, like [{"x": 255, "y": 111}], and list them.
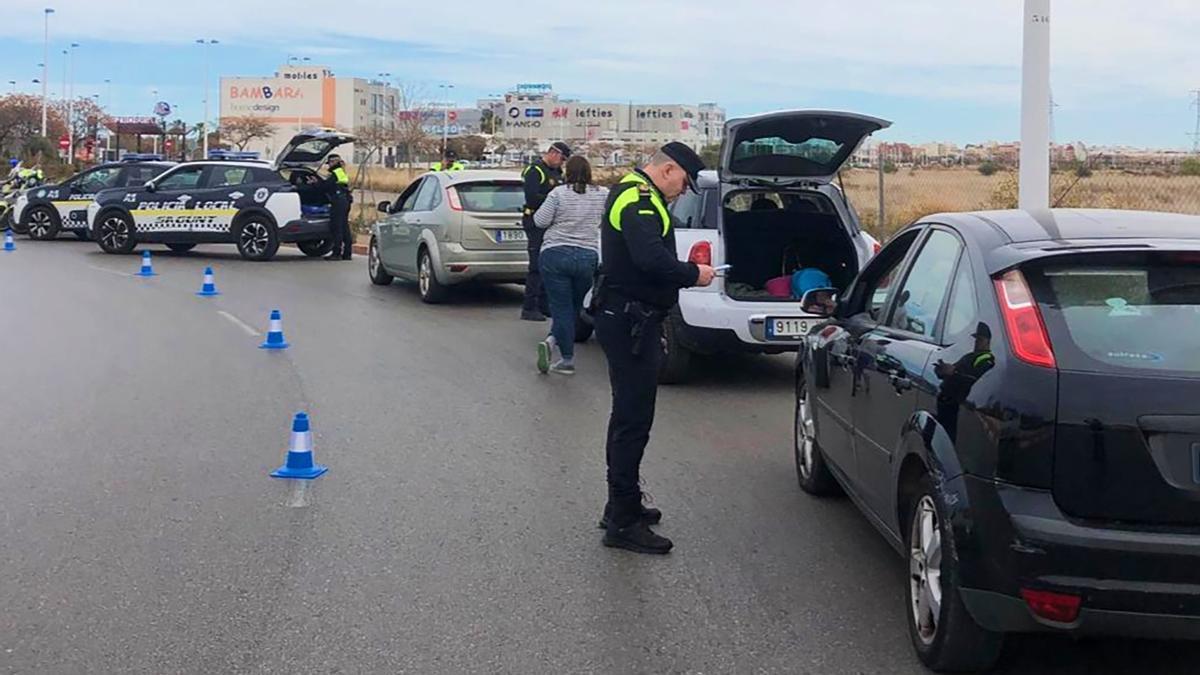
[{"x": 765, "y": 243}]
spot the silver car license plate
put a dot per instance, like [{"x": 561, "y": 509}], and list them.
[
  {"x": 511, "y": 235},
  {"x": 785, "y": 328}
]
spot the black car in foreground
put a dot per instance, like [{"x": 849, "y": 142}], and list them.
[{"x": 1013, "y": 400}]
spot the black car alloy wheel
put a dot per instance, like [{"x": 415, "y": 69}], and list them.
[
  {"x": 115, "y": 233},
  {"x": 255, "y": 237},
  {"x": 41, "y": 223}
]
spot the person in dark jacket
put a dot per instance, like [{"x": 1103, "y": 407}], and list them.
[
  {"x": 337, "y": 186},
  {"x": 541, "y": 176},
  {"x": 639, "y": 283}
]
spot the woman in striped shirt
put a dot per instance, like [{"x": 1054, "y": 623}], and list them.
[{"x": 570, "y": 252}]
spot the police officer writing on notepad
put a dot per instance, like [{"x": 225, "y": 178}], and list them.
[{"x": 638, "y": 284}]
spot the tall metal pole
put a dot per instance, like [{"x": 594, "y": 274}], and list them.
[
  {"x": 1196, "y": 134},
  {"x": 71, "y": 103},
  {"x": 45, "y": 65},
  {"x": 1034, "y": 192},
  {"x": 205, "y": 44},
  {"x": 879, "y": 161}
]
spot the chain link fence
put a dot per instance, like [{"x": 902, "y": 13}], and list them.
[{"x": 890, "y": 197}]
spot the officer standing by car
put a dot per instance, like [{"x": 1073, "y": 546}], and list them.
[
  {"x": 638, "y": 284},
  {"x": 541, "y": 176},
  {"x": 338, "y": 186}
]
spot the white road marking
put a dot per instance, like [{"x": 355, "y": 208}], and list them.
[
  {"x": 239, "y": 322},
  {"x": 105, "y": 269}
]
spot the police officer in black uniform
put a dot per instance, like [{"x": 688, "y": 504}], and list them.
[
  {"x": 637, "y": 286},
  {"x": 337, "y": 186},
  {"x": 541, "y": 176}
]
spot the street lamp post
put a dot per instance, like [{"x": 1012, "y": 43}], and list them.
[
  {"x": 445, "y": 117},
  {"x": 205, "y": 43},
  {"x": 300, "y": 114},
  {"x": 45, "y": 61},
  {"x": 71, "y": 103}
]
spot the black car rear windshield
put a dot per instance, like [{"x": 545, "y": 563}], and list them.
[
  {"x": 1122, "y": 311},
  {"x": 491, "y": 197}
]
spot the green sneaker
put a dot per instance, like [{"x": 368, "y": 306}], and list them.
[{"x": 543, "y": 360}]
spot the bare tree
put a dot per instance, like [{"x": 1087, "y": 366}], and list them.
[
  {"x": 414, "y": 108},
  {"x": 240, "y": 131}
]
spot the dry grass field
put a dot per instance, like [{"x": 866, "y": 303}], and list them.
[{"x": 910, "y": 194}]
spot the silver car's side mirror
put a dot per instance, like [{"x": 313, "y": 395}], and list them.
[{"x": 385, "y": 207}]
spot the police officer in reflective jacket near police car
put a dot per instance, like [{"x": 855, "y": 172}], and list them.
[
  {"x": 337, "y": 185},
  {"x": 637, "y": 286},
  {"x": 541, "y": 176}
]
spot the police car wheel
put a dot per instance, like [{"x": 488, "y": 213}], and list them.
[
  {"x": 315, "y": 248},
  {"x": 583, "y": 329},
  {"x": 379, "y": 276},
  {"x": 114, "y": 233},
  {"x": 257, "y": 239},
  {"x": 430, "y": 289},
  {"x": 43, "y": 223},
  {"x": 677, "y": 359}
]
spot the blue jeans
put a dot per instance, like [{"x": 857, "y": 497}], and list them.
[{"x": 567, "y": 276}]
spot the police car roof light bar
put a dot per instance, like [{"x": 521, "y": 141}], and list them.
[
  {"x": 141, "y": 157},
  {"x": 233, "y": 154}
]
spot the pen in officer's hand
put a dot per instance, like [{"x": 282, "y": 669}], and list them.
[{"x": 722, "y": 268}]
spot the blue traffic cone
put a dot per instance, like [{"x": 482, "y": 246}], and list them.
[
  {"x": 9, "y": 246},
  {"x": 299, "y": 462},
  {"x": 275, "y": 333},
  {"x": 208, "y": 288},
  {"x": 147, "y": 266}
]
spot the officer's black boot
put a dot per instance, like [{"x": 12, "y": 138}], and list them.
[
  {"x": 649, "y": 515},
  {"x": 627, "y": 530}
]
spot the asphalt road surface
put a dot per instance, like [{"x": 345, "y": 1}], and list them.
[{"x": 455, "y": 531}]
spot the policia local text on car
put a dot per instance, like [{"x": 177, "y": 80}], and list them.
[
  {"x": 541, "y": 176},
  {"x": 639, "y": 282}
]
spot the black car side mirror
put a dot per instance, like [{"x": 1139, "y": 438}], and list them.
[
  {"x": 149, "y": 186},
  {"x": 385, "y": 207},
  {"x": 821, "y": 302}
]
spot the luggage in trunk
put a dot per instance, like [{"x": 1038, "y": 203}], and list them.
[{"x": 761, "y": 245}]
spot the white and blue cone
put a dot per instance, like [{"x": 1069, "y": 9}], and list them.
[
  {"x": 147, "y": 266},
  {"x": 299, "y": 469},
  {"x": 208, "y": 288},
  {"x": 9, "y": 246},
  {"x": 275, "y": 333}
]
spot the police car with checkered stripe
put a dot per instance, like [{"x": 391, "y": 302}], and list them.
[
  {"x": 228, "y": 199},
  {"x": 45, "y": 211}
]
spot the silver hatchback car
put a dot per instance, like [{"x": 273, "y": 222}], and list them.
[{"x": 449, "y": 228}]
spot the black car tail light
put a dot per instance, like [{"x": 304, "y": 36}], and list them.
[
  {"x": 1026, "y": 330},
  {"x": 1060, "y": 607}
]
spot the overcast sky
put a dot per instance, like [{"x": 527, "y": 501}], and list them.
[{"x": 941, "y": 69}]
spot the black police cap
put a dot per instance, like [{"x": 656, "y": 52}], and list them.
[
  {"x": 686, "y": 158},
  {"x": 562, "y": 148}
]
